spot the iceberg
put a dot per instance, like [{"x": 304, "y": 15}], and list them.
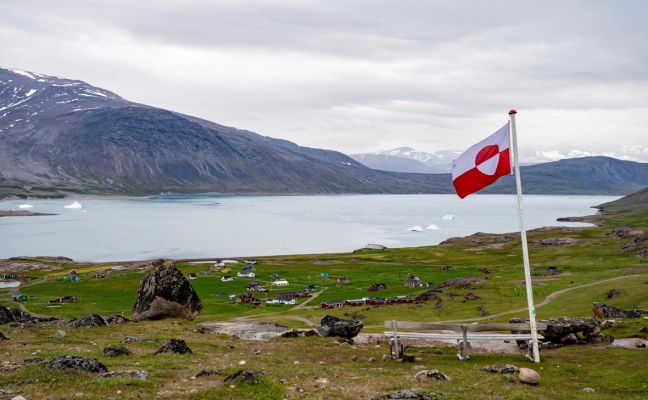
[
  {"x": 23, "y": 206},
  {"x": 433, "y": 227},
  {"x": 416, "y": 228},
  {"x": 75, "y": 205},
  {"x": 448, "y": 217}
]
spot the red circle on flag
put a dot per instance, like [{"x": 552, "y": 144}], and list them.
[{"x": 486, "y": 153}]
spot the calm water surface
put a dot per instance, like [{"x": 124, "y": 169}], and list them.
[{"x": 221, "y": 226}]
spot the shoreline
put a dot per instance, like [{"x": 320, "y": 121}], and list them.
[{"x": 22, "y": 213}]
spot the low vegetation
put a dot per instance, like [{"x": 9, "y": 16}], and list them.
[{"x": 323, "y": 368}]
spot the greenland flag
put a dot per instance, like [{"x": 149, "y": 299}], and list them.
[{"x": 483, "y": 163}]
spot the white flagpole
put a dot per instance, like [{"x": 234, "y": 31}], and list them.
[{"x": 525, "y": 249}]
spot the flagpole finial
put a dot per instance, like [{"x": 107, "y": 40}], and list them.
[{"x": 512, "y": 111}]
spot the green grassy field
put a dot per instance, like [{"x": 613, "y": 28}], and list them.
[{"x": 589, "y": 268}]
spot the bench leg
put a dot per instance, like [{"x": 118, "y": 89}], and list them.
[
  {"x": 463, "y": 350},
  {"x": 396, "y": 349},
  {"x": 530, "y": 354}
]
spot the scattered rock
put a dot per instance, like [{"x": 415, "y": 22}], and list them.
[
  {"x": 18, "y": 364},
  {"x": 408, "y": 394},
  {"x": 569, "y": 338},
  {"x": 245, "y": 375},
  {"x": 501, "y": 369},
  {"x": 333, "y": 326},
  {"x": 386, "y": 357},
  {"x": 293, "y": 333},
  {"x": 643, "y": 253},
  {"x": 165, "y": 292},
  {"x": 554, "y": 241},
  {"x": 8, "y": 314},
  {"x": 116, "y": 350},
  {"x": 58, "y": 334},
  {"x": 19, "y": 397},
  {"x": 207, "y": 372},
  {"x": 131, "y": 339},
  {"x": 609, "y": 323},
  {"x": 471, "y": 296},
  {"x": 644, "y": 329},
  {"x": 529, "y": 376},
  {"x": 88, "y": 321},
  {"x": 430, "y": 375},
  {"x": 117, "y": 319},
  {"x": 354, "y": 358},
  {"x": 3, "y": 337},
  {"x": 612, "y": 293},
  {"x": 177, "y": 346},
  {"x": 588, "y": 390},
  {"x": 553, "y": 270},
  {"x": 622, "y": 232},
  {"x": 133, "y": 374},
  {"x": 79, "y": 363},
  {"x": 322, "y": 381},
  {"x": 601, "y": 310}
]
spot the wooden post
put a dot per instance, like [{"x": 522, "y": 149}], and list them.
[{"x": 395, "y": 341}]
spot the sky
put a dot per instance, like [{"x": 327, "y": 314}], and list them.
[{"x": 358, "y": 76}]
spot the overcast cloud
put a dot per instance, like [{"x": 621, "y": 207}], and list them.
[{"x": 358, "y": 76}]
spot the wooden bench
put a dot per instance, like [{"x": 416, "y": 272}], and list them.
[{"x": 462, "y": 333}]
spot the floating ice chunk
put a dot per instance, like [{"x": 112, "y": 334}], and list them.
[
  {"x": 448, "y": 217},
  {"x": 433, "y": 227},
  {"x": 25, "y": 206},
  {"x": 75, "y": 205},
  {"x": 416, "y": 228}
]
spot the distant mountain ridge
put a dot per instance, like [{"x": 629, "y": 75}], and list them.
[
  {"x": 62, "y": 135},
  {"x": 407, "y": 159}
]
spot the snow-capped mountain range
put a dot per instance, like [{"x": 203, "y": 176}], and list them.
[{"x": 407, "y": 159}]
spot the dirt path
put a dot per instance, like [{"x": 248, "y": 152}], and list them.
[{"x": 551, "y": 297}]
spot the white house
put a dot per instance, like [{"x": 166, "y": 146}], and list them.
[
  {"x": 280, "y": 282},
  {"x": 245, "y": 274},
  {"x": 227, "y": 278}
]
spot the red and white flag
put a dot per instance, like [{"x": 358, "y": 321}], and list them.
[{"x": 483, "y": 163}]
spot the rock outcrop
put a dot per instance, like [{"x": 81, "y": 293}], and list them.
[
  {"x": 88, "y": 321},
  {"x": 344, "y": 328},
  {"x": 115, "y": 350},
  {"x": 601, "y": 310},
  {"x": 245, "y": 375},
  {"x": 501, "y": 369},
  {"x": 568, "y": 330},
  {"x": 177, "y": 346},
  {"x": 132, "y": 374},
  {"x": 79, "y": 363},
  {"x": 165, "y": 292},
  {"x": 3, "y": 337},
  {"x": 431, "y": 375},
  {"x": 8, "y": 315},
  {"x": 408, "y": 394}
]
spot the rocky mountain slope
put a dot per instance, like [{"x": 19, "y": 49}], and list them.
[{"x": 62, "y": 135}]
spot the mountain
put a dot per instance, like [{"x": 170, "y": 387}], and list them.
[
  {"x": 407, "y": 159},
  {"x": 637, "y": 201},
  {"x": 66, "y": 135},
  {"x": 61, "y": 135}
]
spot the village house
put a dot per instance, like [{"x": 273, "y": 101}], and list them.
[
  {"x": 372, "y": 246},
  {"x": 192, "y": 276},
  {"x": 249, "y": 298},
  {"x": 19, "y": 297},
  {"x": 280, "y": 282},
  {"x": 309, "y": 288},
  {"x": 354, "y": 303},
  {"x": 256, "y": 287},
  {"x": 249, "y": 261},
  {"x": 343, "y": 280},
  {"x": 332, "y": 304},
  {"x": 415, "y": 282},
  {"x": 227, "y": 278},
  {"x": 245, "y": 274},
  {"x": 275, "y": 277},
  {"x": 248, "y": 268},
  {"x": 377, "y": 286}
]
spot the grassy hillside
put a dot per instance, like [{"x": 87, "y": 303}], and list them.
[{"x": 321, "y": 368}]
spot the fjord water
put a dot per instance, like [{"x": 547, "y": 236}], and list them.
[{"x": 222, "y": 226}]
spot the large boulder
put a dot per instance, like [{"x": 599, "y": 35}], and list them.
[
  {"x": 88, "y": 321},
  {"x": 115, "y": 350},
  {"x": 529, "y": 376},
  {"x": 177, "y": 346},
  {"x": 165, "y": 292},
  {"x": 79, "y": 363},
  {"x": 344, "y": 328},
  {"x": 601, "y": 310},
  {"x": 565, "y": 330}
]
